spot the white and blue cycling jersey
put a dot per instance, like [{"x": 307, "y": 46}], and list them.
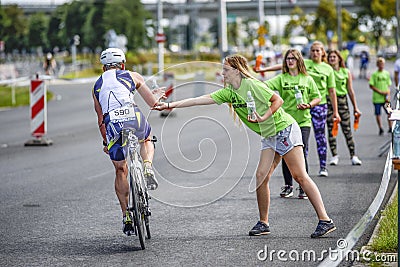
[{"x": 114, "y": 89}]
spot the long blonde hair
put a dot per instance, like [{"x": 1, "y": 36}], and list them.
[{"x": 240, "y": 63}]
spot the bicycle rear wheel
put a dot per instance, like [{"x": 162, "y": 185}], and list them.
[
  {"x": 144, "y": 201},
  {"x": 147, "y": 216},
  {"x": 135, "y": 208}
]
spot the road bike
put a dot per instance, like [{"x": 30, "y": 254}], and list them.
[{"x": 138, "y": 200}]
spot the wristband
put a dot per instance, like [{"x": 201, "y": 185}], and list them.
[{"x": 104, "y": 143}]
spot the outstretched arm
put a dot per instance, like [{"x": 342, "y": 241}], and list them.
[
  {"x": 144, "y": 90},
  {"x": 188, "y": 102},
  {"x": 270, "y": 68}
]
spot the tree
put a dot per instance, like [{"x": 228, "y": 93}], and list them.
[
  {"x": 56, "y": 28},
  {"x": 325, "y": 19},
  {"x": 127, "y": 17},
  {"x": 376, "y": 16},
  {"x": 301, "y": 22},
  {"x": 38, "y": 25},
  {"x": 13, "y": 28},
  {"x": 93, "y": 30},
  {"x": 350, "y": 29},
  {"x": 75, "y": 18}
]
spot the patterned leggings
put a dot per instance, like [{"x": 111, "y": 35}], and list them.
[
  {"x": 345, "y": 124},
  {"x": 318, "y": 118}
]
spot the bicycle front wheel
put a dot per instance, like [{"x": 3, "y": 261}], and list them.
[{"x": 135, "y": 206}]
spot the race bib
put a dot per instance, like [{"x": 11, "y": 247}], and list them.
[{"x": 126, "y": 113}]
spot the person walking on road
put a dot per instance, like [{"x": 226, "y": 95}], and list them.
[
  {"x": 49, "y": 64},
  {"x": 113, "y": 90},
  {"x": 281, "y": 137},
  {"x": 294, "y": 75},
  {"x": 364, "y": 60},
  {"x": 380, "y": 83},
  {"x": 344, "y": 87}
]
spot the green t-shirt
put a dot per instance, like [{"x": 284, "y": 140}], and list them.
[
  {"x": 323, "y": 76},
  {"x": 284, "y": 85},
  {"x": 382, "y": 81},
  {"x": 261, "y": 94},
  {"x": 341, "y": 79}
]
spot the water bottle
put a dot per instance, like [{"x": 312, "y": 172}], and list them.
[
  {"x": 258, "y": 62},
  {"x": 251, "y": 106},
  {"x": 298, "y": 95},
  {"x": 154, "y": 84},
  {"x": 396, "y": 140},
  {"x": 356, "y": 121},
  {"x": 335, "y": 128}
]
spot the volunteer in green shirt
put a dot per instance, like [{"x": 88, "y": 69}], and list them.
[
  {"x": 380, "y": 83},
  {"x": 281, "y": 137},
  {"x": 324, "y": 77},
  {"x": 344, "y": 87},
  {"x": 294, "y": 74}
]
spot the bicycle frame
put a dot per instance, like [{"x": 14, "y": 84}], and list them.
[{"x": 138, "y": 196}]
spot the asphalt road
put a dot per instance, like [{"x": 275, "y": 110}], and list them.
[{"x": 58, "y": 206}]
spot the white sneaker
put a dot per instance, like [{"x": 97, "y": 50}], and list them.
[
  {"x": 323, "y": 172},
  {"x": 356, "y": 161},
  {"x": 334, "y": 160}
]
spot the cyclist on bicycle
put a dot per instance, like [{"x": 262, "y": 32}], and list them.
[{"x": 114, "y": 89}]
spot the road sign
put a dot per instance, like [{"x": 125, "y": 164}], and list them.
[{"x": 161, "y": 38}]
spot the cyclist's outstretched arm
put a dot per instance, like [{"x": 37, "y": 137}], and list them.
[
  {"x": 143, "y": 89},
  {"x": 188, "y": 102}
]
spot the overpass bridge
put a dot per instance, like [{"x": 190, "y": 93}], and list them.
[{"x": 209, "y": 9}]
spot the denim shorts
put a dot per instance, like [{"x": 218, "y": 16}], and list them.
[
  {"x": 284, "y": 140},
  {"x": 378, "y": 107}
]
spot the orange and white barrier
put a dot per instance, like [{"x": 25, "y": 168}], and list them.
[
  {"x": 38, "y": 112},
  {"x": 38, "y": 108}
]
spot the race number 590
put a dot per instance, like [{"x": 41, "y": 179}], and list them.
[{"x": 123, "y": 113}]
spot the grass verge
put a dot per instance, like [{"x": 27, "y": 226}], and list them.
[
  {"x": 21, "y": 96},
  {"x": 387, "y": 237}
]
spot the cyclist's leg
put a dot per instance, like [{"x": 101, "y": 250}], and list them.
[
  {"x": 121, "y": 184},
  {"x": 147, "y": 150},
  {"x": 143, "y": 132}
]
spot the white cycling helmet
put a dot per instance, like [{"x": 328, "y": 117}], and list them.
[{"x": 112, "y": 55}]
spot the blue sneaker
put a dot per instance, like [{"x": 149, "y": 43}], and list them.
[
  {"x": 323, "y": 228},
  {"x": 259, "y": 229}
]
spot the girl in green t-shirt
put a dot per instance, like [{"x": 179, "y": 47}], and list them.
[
  {"x": 344, "y": 87},
  {"x": 323, "y": 76},
  {"x": 281, "y": 137},
  {"x": 294, "y": 74}
]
